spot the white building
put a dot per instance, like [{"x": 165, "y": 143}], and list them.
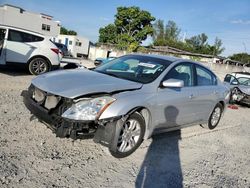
[
  {"x": 78, "y": 46},
  {"x": 41, "y": 23}
]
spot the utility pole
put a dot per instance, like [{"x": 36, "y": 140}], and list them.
[
  {"x": 184, "y": 36},
  {"x": 244, "y": 46},
  {"x": 244, "y": 49}
]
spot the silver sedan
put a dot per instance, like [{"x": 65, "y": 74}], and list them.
[{"x": 127, "y": 100}]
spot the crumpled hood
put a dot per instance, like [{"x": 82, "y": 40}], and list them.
[
  {"x": 78, "y": 82},
  {"x": 245, "y": 89}
]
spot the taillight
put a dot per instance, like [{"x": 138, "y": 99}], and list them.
[{"x": 56, "y": 50}]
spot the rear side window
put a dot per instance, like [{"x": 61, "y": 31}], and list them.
[
  {"x": 19, "y": 36},
  {"x": 205, "y": 77}
]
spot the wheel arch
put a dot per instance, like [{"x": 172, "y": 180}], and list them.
[
  {"x": 40, "y": 56},
  {"x": 146, "y": 114}
]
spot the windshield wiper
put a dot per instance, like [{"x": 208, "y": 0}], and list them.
[
  {"x": 108, "y": 73},
  {"x": 111, "y": 74}
]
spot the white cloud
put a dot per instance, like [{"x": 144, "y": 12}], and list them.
[{"x": 239, "y": 21}]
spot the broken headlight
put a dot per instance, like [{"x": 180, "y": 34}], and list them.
[
  {"x": 88, "y": 109},
  {"x": 38, "y": 95}
]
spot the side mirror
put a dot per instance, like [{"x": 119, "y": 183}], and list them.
[{"x": 173, "y": 83}]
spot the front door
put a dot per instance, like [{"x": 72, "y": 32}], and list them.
[
  {"x": 2, "y": 45},
  {"x": 175, "y": 104}
]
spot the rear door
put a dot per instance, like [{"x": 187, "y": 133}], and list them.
[
  {"x": 207, "y": 92},
  {"x": 2, "y": 45},
  {"x": 19, "y": 46}
]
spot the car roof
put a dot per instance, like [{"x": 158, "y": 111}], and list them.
[
  {"x": 246, "y": 73},
  {"x": 168, "y": 58},
  {"x": 21, "y": 29}
]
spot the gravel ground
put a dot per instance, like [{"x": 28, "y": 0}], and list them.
[{"x": 31, "y": 156}]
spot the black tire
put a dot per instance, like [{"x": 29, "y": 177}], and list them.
[
  {"x": 211, "y": 125},
  {"x": 38, "y": 66},
  {"x": 116, "y": 144}
]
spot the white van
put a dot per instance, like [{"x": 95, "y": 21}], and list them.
[{"x": 34, "y": 50}]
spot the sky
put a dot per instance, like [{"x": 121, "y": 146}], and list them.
[{"x": 227, "y": 19}]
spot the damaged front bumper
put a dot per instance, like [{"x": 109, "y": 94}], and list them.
[
  {"x": 102, "y": 131},
  {"x": 238, "y": 96},
  {"x": 60, "y": 126}
]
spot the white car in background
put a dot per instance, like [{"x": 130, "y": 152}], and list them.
[
  {"x": 34, "y": 50},
  {"x": 246, "y": 67}
]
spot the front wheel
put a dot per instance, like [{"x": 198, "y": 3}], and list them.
[
  {"x": 38, "y": 66},
  {"x": 215, "y": 117},
  {"x": 130, "y": 136}
]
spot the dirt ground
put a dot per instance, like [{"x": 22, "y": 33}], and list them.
[{"x": 31, "y": 156}]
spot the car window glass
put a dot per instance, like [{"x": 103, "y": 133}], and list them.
[
  {"x": 19, "y": 36},
  {"x": 244, "y": 81},
  {"x": 231, "y": 79},
  {"x": 135, "y": 68},
  {"x": 204, "y": 77},
  {"x": 2, "y": 36},
  {"x": 15, "y": 36},
  {"x": 181, "y": 72}
]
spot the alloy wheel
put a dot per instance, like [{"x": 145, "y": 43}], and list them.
[
  {"x": 39, "y": 66},
  {"x": 129, "y": 135},
  {"x": 216, "y": 116}
]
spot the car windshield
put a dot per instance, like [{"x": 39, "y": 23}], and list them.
[
  {"x": 135, "y": 68},
  {"x": 244, "y": 81}
]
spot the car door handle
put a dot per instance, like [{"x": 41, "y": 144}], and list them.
[{"x": 191, "y": 96}]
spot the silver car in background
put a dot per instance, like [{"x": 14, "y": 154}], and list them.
[
  {"x": 239, "y": 84},
  {"x": 127, "y": 100}
]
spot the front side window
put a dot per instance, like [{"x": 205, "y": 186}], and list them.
[
  {"x": 135, "y": 68},
  {"x": 18, "y": 36},
  {"x": 181, "y": 72},
  {"x": 205, "y": 77}
]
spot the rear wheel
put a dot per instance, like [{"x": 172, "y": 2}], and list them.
[
  {"x": 130, "y": 136},
  {"x": 215, "y": 117},
  {"x": 38, "y": 66}
]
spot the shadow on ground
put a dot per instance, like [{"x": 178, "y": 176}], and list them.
[
  {"x": 13, "y": 70},
  {"x": 161, "y": 166}
]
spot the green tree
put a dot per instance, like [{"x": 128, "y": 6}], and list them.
[
  {"x": 159, "y": 33},
  {"x": 218, "y": 49},
  {"x": 131, "y": 27},
  {"x": 166, "y": 35},
  {"x": 108, "y": 34},
  {"x": 172, "y": 31},
  {"x": 65, "y": 31},
  {"x": 169, "y": 36},
  {"x": 198, "y": 41},
  {"x": 242, "y": 57}
]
